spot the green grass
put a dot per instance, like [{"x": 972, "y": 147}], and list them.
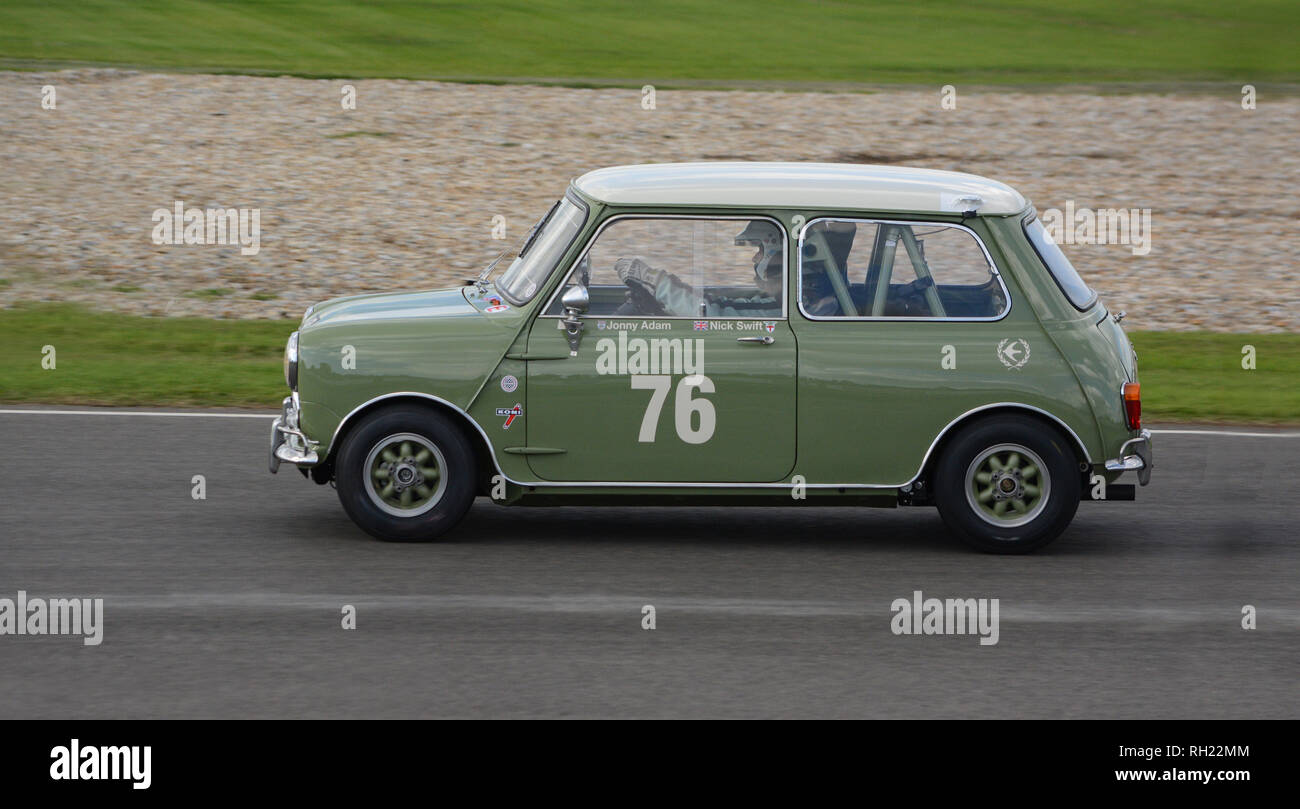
[
  {"x": 113, "y": 359},
  {"x": 1198, "y": 376},
  {"x": 595, "y": 41},
  {"x": 105, "y": 358}
]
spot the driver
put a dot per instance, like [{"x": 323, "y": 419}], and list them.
[{"x": 652, "y": 287}]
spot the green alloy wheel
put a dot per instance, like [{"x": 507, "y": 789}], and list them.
[
  {"x": 1008, "y": 485},
  {"x": 405, "y": 475}
]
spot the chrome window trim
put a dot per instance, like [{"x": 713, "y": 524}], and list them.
[
  {"x": 785, "y": 266},
  {"x": 993, "y": 270},
  {"x": 333, "y": 446}
]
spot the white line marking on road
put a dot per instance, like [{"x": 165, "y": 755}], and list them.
[
  {"x": 1233, "y": 433},
  {"x": 1285, "y": 614},
  {"x": 138, "y": 413}
]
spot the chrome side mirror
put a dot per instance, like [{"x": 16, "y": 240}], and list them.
[{"x": 576, "y": 300}]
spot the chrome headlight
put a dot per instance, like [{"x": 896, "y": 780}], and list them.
[{"x": 291, "y": 362}]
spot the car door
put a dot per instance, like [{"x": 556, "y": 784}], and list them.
[{"x": 686, "y": 367}]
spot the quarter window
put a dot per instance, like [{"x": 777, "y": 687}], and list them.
[
  {"x": 683, "y": 267},
  {"x": 852, "y": 268},
  {"x": 1067, "y": 278}
]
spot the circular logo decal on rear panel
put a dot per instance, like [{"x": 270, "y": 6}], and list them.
[{"x": 1013, "y": 353}]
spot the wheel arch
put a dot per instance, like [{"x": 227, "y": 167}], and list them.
[
  {"x": 473, "y": 432},
  {"x": 1043, "y": 417}
]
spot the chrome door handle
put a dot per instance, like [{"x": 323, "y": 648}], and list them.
[{"x": 766, "y": 340}]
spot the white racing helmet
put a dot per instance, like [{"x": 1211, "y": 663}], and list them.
[{"x": 766, "y": 237}]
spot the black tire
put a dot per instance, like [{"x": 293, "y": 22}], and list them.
[
  {"x": 429, "y": 434},
  {"x": 993, "y": 460}
]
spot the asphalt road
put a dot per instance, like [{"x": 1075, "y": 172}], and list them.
[{"x": 231, "y": 606}]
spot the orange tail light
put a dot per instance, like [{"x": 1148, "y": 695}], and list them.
[{"x": 1133, "y": 405}]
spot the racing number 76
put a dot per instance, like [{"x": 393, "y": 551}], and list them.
[{"x": 685, "y": 406}]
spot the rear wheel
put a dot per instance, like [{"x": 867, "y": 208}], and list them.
[
  {"x": 1007, "y": 484},
  {"x": 406, "y": 474}
]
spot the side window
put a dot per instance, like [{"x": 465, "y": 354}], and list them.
[
  {"x": 683, "y": 267},
  {"x": 858, "y": 268},
  {"x": 1074, "y": 287}
]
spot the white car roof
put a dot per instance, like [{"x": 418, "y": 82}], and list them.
[{"x": 801, "y": 185}]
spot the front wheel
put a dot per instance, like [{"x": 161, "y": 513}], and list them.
[
  {"x": 1007, "y": 485},
  {"x": 406, "y": 474}
]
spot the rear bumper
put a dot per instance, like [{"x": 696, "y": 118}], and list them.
[
  {"x": 1134, "y": 456},
  {"x": 288, "y": 444}
]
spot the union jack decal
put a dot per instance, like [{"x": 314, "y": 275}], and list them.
[{"x": 701, "y": 325}]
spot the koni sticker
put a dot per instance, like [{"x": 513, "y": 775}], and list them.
[
  {"x": 501, "y": 307},
  {"x": 511, "y": 413}
]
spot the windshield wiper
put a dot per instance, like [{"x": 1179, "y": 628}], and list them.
[
  {"x": 532, "y": 233},
  {"x": 481, "y": 281},
  {"x": 526, "y": 242},
  {"x": 492, "y": 265}
]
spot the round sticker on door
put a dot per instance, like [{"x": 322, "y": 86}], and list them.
[
  {"x": 509, "y": 384},
  {"x": 498, "y": 308}
]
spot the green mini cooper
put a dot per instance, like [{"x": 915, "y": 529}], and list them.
[{"x": 726, "y": 334}]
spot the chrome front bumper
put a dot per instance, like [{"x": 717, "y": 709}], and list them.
[
  {"x": 1139, "y": 460},
  {"x": 288, "y": 444}
]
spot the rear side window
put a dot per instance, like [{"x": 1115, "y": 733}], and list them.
[
  {"x": 861, "y": 268},
  {"x": 1067, "y": 278}
]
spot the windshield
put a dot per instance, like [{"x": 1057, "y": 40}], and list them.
[
  {"x": 542, "y": 248},
  {"x": 1060, "y": 267}
]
